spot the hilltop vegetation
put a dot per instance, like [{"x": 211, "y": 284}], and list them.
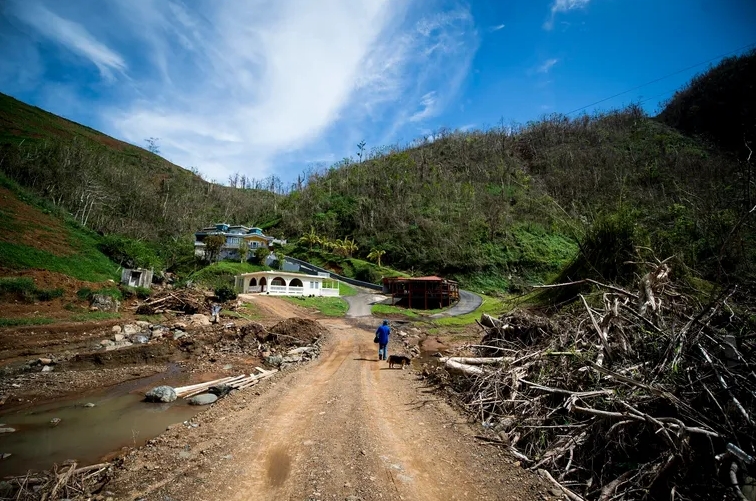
[{"x": 497, "y": 209}]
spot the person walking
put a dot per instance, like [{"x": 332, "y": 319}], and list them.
[{"x": 382, "y": 337}]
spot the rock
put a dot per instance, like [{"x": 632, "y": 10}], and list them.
[
  {"x": 6, "y": 489},
  {"x": 179, "y": 325},
  {"x": 45, "y": 361},
  {"x": 228, "y": 367},
  {"x": 7, "y": 430},
  {"x": 161, "y": 394},
  {"x": 140, "y": 339},
  {"x": 185, "y": 454},
  {"x": 5, "y": 455},
  {"x": 274, "y": 360},
  {"x": 143, "y": 324},
  {"x": 107, "y": 342},
  {"x": 118, "y": 337},
  {"x": 131, "y": 329},
  {"x": 118, "y": 345},
  {"x": 220, "y": 390},
  {"x": 55, "y": 421},
  {"x": 104, "y": 303},
  {"x": 116, "y": 329},
  {"x": 179, "y": 335},
  {"x": 157, "y": 334},
  {"x": 47, "y": 368},
  {"x": 90, "y": 404},
  {"x": 204, "y": 399},
  {"x": 199, "y": 319}
]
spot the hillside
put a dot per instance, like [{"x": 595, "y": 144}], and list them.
[
  {"x": 112, "y": 186},
  {"x": 513, "y": 203},
  {"x": 498, "y": 209}
]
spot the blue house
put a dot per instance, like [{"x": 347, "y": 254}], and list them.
[{"x": 235, "y": 235}]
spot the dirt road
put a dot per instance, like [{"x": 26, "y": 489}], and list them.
[{"x": 344, "y": 426}]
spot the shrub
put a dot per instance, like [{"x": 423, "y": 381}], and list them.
[
  {"x": 49, "y": 294},
  {"x": 225, "y": 293},
  {"x": 129, "y": 253}
]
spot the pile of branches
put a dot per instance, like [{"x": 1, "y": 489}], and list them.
[
  {"x": 644, "y": 394},
  {"x": 186, "y": 301},
  {"x": 64, "y": 482}
]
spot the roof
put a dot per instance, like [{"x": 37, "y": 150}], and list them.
[
  {"x": 276, "y": 273},
  {"x": 431, "y": 278}
]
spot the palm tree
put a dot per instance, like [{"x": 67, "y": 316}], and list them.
[
  {"x": 310, "y": 238},
  {"x": 350, "y": 247},
  {"x": 376, "y": 255}
]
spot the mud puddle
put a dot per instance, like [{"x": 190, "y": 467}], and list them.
[{"x": 119, "y": 418}]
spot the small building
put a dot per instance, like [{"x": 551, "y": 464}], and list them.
[
  {"x": 138, "y": 277},
  {"x": 283, "y": 283},
  {"x": 234, "y": 235},
  {"x": 424, "y": 293}
]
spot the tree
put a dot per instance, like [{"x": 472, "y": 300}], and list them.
[
  {"x": 376, "y": 255},
  {"x": 152, "y": 145},
  {"x": 310, "y": 238},
  {"x": 349, "y": 247},
  {"x": 213, "y": 246},
  {"x": 361, "y": 150},
  {"x": 243, "y": 250},
  {"x": 261, "y": 254}
]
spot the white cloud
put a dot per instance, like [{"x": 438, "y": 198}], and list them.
[
  {"x": 547, "y": 65},
  {"x": 71, "y": 35},
  {"x": 428, "y": 103},
  {"x": 560, "y": 6},
  {"x": 251, "y": 85},
  {"x": 497, "y": 27}
]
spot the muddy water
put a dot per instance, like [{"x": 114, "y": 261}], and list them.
[{"x": 120, "y": 418}]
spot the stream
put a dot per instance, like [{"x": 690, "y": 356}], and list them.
[{"x": 119, "y": 418}]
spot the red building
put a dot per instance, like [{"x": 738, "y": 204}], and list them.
[{"x": 426, "y": 293}]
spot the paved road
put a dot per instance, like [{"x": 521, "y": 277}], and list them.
[
  {"x": 468, "y": 302},
  {"x": 361, "y": 304}
]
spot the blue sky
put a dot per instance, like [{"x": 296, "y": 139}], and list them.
[{"x": 265, "y": 87}]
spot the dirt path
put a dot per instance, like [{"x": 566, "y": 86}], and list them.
[{"x": 344, "y": 426}]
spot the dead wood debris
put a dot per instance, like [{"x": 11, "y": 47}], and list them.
[
  {"x": 644, "y": 394},
  {"x": 64, "y": 482},
  {"x": 186, "y": 301}
]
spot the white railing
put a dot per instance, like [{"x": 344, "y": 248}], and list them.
[
  {"x": 329, "y": 292},
  {"x": 296, "y": 291},
  {"x": 254, "y": 288},
  {"x": 277, "y": 289}
]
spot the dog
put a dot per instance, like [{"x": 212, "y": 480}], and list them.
[{"x": 400, "y": 360}]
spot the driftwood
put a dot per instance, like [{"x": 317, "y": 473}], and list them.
[
  {"x": 632, "y": 393},
  {"x": 236, "y": 382},
  {"x": 66, "y": 482}
]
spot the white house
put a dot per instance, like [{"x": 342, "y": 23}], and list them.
[{"x": 284, "y": 283}]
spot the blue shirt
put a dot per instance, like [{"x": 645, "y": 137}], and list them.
[{"x": 383, "y": 334}]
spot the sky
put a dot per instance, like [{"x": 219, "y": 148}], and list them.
[{"x": 277, "y": 87}]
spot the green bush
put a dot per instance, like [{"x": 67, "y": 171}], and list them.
[
  {"x": 84, "y": 293},
  {"x": 225, "y": 293},
  {"x": 49, "y": 294}
]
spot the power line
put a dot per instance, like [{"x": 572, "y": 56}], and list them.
[{"x": 664, "y": 77}]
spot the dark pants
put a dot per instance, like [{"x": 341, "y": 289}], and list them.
[{"x": 382, "y": 351}]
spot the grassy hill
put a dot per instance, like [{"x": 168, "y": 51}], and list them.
[{"x": 112, "y": 186}]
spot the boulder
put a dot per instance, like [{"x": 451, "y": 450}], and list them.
[
  {"x": 7, "y": 430},
  {"x": 157, "y": 334},
  {"x": 140, "y": 339},
  {"x": 89, "y": 404},
  {"x": 179, "y": 335},
  {"x": 204, "y": 399},
  {"x": 199, "y": 319},
  {"x": 118, "y": 345},
  {"x": 116, "y": 329},
  {"x": 47, "y": 368},
  {"x": 274, "y": 360},
  {"x": 45, "y": 361},
  {"x": 161, "y": 394},
  {"x": 55, "y": 421},
  {"x": 107, "y": 342},
  {"x": 131, "y": 329},
  {"x": 220, "y": 390},
  {"x": 104, "y": 303},
  {"x": 118, "y": 337},
  {"x": 179, "y": 325},
  {"x": 143, "y": 324}
]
